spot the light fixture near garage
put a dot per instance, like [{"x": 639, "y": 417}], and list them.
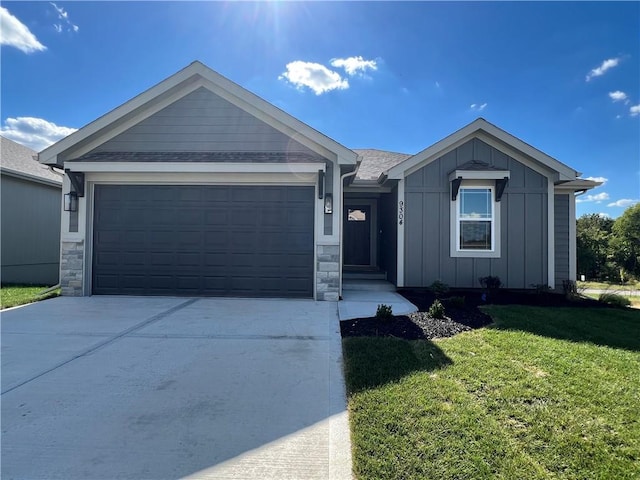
[
  {"x": 328, "y": 203},
  {"x": 71, "y": 202}
]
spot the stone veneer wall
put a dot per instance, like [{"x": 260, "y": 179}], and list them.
[
  {"x": 328, "y": 273},
  {"x": 71, "y": 271}
]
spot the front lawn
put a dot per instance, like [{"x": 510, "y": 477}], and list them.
[
  {"x": 542, "y": 393},
  {"x": 13, "y": 295}
]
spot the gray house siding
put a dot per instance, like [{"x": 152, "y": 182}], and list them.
[
  {"x": 523, "y": 259},
  {"x": 30, "y": 232},
  {"x": 561, "y": 228},
  {"x": 202, "y": 122}
]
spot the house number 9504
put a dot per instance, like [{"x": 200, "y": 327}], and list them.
[{"x": 400, "y": 212}]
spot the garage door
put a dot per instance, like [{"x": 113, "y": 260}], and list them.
[{"x": 254, "y": 241}]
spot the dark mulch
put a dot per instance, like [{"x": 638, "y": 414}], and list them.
[{"x": 458, "y": 318}]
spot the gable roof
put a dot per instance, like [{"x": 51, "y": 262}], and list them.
[
  {"x": 194, "y": 76},
  {"x": 374, "y": 162},
  {"x": 483, "y": 130},
  {"x": 19, "y": 161}
]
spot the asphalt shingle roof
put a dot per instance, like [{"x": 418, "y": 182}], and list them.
[
  {"x": 18, "y": 159},
  {"x": 374, "y": 162}
]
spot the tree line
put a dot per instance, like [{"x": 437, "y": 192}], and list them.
[{"x": 607, "y": 249}]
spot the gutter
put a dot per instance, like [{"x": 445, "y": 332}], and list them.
[{"x": 341, "y": 226}]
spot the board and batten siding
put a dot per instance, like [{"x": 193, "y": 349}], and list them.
[
  {"x": 561, "y": 229},
  {"x": 30, "y": 232},
  {"x": 202, "y": 121},
  {"x": 523, "y": 229}
]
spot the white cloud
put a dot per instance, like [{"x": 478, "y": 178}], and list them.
[
  {"x": 35, "y": 133},
  {"x": 477, "y": 108},
  {"x": 617, "y": 96},
  {"x": 15, "y": 34},
  {"x": 598, "y": 179},
  {"x": 603, "y": 215},
  {"x": 604, "y": 66},
  {"x": 623, "y": 202},
  {"x": 64, "y": 16},
  {"x": 354, "y": 65},
  {"x": 634, "y": 110},
  {"x": 315, "y": 76},
  {"x": 597, "y": 198}
]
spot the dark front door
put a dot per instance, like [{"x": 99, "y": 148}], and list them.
[
  {"x": 222, "y": 240},
  {"x": 357, "y": 235}
]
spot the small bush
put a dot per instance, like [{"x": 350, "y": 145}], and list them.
[
  {"x": 541, "y": 288},
  {"x": 456, "y": 301},
  {"x": 436, "y": 310},
  {"x": 384, "y": 312},
  {"x": 490, "y": 283},
  {"x": 569, "y": 287},
  {"x": 439, "y": 288},
  {"x": 614, "y": 299}
]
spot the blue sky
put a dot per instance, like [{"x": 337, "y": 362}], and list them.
[{"x": 564, "y": 77}]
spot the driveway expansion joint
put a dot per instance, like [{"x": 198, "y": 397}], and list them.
[{"x": 104, "y": 343}]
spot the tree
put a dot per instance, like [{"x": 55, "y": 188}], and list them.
[
  {"x": 593, "y": 233},
  {"x": 625, "y": 241}
]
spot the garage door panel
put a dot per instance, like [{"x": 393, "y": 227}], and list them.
[{"x": 204, "y": 240}]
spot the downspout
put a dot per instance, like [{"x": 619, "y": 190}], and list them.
[{"x": 340, "y": 225}]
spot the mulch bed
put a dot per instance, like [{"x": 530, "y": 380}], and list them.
[{"x": 458, "y": 318}]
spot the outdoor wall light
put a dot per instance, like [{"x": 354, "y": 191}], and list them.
[
  {"x": 71, "y": 202},
  {"x": 328, "y": 203}
]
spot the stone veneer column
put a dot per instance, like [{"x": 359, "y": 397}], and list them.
[
  {"x": 71, "y": 271},
  {"x": 328, "y": 273}
]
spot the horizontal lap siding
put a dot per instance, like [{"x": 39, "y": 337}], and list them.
[
  {"x": 202, "y": 122},
  {"x": 561, "y": 238},
  {"x": 523, "y": 260},
  {"x": 30, "y": 231}
]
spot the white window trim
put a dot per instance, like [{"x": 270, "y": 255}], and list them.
[{"x": 455, "y": 250}]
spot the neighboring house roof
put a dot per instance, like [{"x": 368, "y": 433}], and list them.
[
  {"x": 20, "y": 161},
  {"x": 374, "y": 162},
  {"x": 487, "y": 132},
  {"x": 178, "y": 85}
]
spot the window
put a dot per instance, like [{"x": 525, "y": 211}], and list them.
[
  {"x": 475, "y": 221},
  {"x": 356, "y": 215}
]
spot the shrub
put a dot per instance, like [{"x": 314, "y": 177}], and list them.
[
  {"x": 541, "y": 288},
  {"x": 456, "y": 301},
  {"x": 614, "y": 299},
  {"x": 436, "y": 310},
  {"x": 439, "y": 288},
  {"x": 491, "y": 285},
  {"x": 569, "y": 287},
  {"x": 384, "y": 312}
]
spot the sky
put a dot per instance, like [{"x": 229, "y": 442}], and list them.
[{"x": 563, "y": 77}]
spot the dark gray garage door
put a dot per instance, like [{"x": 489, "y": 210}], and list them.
[{"x": 254, "y": 241}]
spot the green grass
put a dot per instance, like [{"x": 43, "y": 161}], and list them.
[
  {"x": 543, "y": 393},
  {"x": 614, "y": 287},
  {"x": 13, "y": 295}
]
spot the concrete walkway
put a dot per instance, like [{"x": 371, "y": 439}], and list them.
[
  {"x": 155, "y": 388},
  {"x": 364, "y": 303}
]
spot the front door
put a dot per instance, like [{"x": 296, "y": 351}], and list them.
[{"x": 357, "y": 235}]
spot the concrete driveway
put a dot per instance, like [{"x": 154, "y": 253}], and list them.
[{"x": 154, "y": 388}]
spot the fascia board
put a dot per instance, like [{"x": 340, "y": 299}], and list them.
[
  {"x": 486, "y": 132},
  {"x": 31, "y": 178},
  {"x": 287, "y": 124},
  {"x": 200, "y": 76},
  {"x": 48, "y": 154},
  {"x": 193, "y": 167},
  {"x": 429, "y": 154}
]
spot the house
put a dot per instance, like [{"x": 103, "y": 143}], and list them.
[
  {"x": 199, "y": 187},
  {"x": 30, "y": 217}
]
